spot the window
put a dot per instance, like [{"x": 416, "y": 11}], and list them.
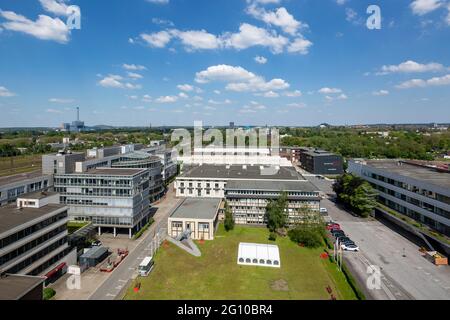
[
  {"x": 248, "y": 260},
  {"x": 241, "y": 259}
]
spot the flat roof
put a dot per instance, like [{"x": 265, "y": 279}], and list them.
[
  {"x": 260, "y": 252},
  {"x": 197, "y": 208},
  {"x": 21, "y": 176},
  {"x": 37, "y": 195},
  {"x": 14, "y": 287},
  {"x": 115, "y": 171},
  {"x": 95, "y": 252},
  {"x": 11, "y": 216},
  {"x": 319, "y": 153},
  {"x": 426, "y": 174},
  {"x": 274, "y": 185},
  {"x": 238, "y": 172}
]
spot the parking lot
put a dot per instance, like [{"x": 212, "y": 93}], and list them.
[{"x": 405, "y": 273}]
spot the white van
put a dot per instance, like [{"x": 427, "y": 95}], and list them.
[{"x": 145, "y": 267}]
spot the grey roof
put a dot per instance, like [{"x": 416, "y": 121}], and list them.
[
  {"x": 14, "y": 287},
  {"x": 37, "y": 195},
  {"x": 11, "y": 216},
  {"x": 238, "y": 172},
  {"x": 273, "y": 185},
  {"x": 21, "y": 177},
  {"x": 428, "y": 175},
  {"x": 115, "y": 171},
  {"x": 319, "y": 153},
  {"x": 95, "y": 252},
  {"x": 197, "y": 208},
  {"x": 137, "y": 155}
]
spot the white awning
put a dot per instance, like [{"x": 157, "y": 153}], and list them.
[{"x": 255, "y": 254}]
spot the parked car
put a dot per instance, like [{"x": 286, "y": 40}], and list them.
[
  {"x": 323, "y": 210},
  {"x": 342, "y": 239},
  {"x": 350, "y": 247},
  {"x": 333, "y": 226},
  {"x": 337, "y": 231},
  {"x": 348, "y": 242},
  {"x": 97, "y": 243}
]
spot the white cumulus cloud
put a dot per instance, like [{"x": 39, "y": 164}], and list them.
[{"x": 44, "y": 28}]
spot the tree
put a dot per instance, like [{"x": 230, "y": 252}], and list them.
[
  {"x": 229, "y": 221},
  {"x": 276, "y": 213},
  {"x": 355, "y": 193}
]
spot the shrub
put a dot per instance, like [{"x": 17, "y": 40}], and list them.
[
  {"x": 229, "y": 221},
  {"x": 310, "y": 237},
  {"x": 49, "y": 293},
  {"x": 272, "y": 236},
  {"x": 143, "y": 229}
]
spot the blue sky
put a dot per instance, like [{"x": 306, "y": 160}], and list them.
[{"x": 276, "y": 62}]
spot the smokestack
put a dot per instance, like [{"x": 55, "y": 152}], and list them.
[{"x": 78, "y": 114}]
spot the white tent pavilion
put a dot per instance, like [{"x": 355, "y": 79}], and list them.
[{"x": 255, "y": 254}]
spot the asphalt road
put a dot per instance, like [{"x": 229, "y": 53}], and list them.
[
  {"x": 121, "y": 278},
  {"x": 405, "y": 273}
]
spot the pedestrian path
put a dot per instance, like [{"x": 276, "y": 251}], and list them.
[{"x": 192, "y": 248}]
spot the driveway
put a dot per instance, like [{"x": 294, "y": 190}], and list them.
[{"x": 405, "y": 273}]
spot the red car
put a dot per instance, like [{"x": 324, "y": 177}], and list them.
[{"x": 334, "y": 226}]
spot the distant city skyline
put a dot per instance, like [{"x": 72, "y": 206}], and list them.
[{"x": 252, "y": 62}]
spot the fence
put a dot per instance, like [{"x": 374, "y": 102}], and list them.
[{"x": 157, "y": 238}]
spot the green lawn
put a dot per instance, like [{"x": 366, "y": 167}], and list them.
[{"x": 216, "y": 275}]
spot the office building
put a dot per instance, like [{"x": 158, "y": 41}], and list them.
[
  {"x": 233, "y": 156},
  {"x": 170, "y": 168},
  {"x": 143, "y": 160},
  {"x": 33, "y": 236},
  {"x": 13, "y": 186},
  {"x": 199, "y": 216},
  {"x": 248, "y": 189},
  {"x": 114, "y": 199},
  {"x": 292, "y": 153},
  {"x": 321, "y": 162},
  {"x": 249, "y": 198},
  {"x": 61, "y": 163},
  {"x": 410, "y": 188},
  {"x": 100, "y": 153}
]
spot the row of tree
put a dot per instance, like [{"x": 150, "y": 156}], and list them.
[
  {"x": 352, "y": 143},
  {"x": 355, "y": 194}
]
